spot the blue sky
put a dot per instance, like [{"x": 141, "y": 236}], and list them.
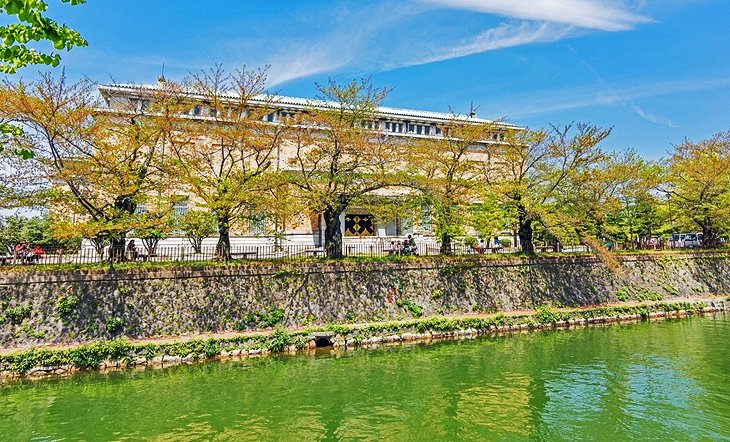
[{"x": 657, "y": 71}]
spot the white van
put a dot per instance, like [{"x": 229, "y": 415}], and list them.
[{"x": 685, "y": 240}]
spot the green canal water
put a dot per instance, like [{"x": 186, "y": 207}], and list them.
[{"x": 661, "y": 381}]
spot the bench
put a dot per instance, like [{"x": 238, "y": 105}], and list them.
[
  {"x": 135, "y": 256},
  {"x": 6, "y": 259},
  {"x": 244, "y": 255},
  {"x": 315, "y": 252}
]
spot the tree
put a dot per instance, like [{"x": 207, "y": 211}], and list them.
[
  {"x": 226, "y": 159},
  {"x": 99, "y": 162},
  {"x": 152, "y": 227},
  {"x": 699, "y": 185},
  {"x": 535, "y": 170},
  {"x": 618, "y": 201},
  {"x": 448, "y": 173},
  {"x": 32, "y": 26},
  {"x": 37, "y": 231},
  {"x": 197, "y": 225},
  {"x": 338, "y": 159}
]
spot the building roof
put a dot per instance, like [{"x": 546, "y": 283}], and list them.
[{"x": 296, "y": 103}]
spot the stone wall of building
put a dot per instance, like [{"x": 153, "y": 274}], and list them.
[{"x": 43, "y": 307}]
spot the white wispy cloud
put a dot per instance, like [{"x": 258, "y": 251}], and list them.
[
  {"x": 610, "y": 97},
  {"x": 590, "y": 14},
  {"x": 302, "y": 60},
  {"x": 656, "y": 119},
  {"x": 352, "y": 42},
  {"x": 380, "y": 36},
  {"x": 541, "y": 103},
  {"x": 505, "y": 35}
]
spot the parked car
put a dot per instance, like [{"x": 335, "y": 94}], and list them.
[{"x": 685, "y": 240}]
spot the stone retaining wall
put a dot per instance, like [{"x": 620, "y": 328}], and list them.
[{"x": 85, "y": 305}]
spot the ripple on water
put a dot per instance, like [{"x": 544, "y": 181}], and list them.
[{"x": 664, "y": 381}]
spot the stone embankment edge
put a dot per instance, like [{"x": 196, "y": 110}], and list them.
[
  {"x": 122, "y": 353},
  {"x": 30, "y": 275}
]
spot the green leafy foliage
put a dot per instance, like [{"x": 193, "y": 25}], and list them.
[
  {"x": 15, "y": 52},
  {"x": 66, "y": 307},
  {"x": 267, "y": 319},
  {"x": 197, "y": 225},
  {"x": 114, "y": 324},
  {"x": 16, "y": 315},
  {"x": 278, "y": 341},
  {"x": 91, "y": 355},
  {"x": 544, "y": 315},
  {"x": 37, "y": 231},
  {"x": 698, "y": 186},
  {"x": 622, "y": 294},
  {"x": 33, "y": 26},
  {"x": 415, "y": 309}
]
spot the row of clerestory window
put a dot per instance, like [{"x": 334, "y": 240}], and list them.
[{"x": 398, "y": 127}]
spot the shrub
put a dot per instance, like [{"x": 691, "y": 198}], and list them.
[
  {"x": 544, "y": 315},
  {"x": 66, "y": 307},
  {"x": 415, "y": 309},
  {"x": 16, "y": 315},
  {"x": 211, "y": 348},
  {"x": 271, "y": 318},
  {"x": 118, "y": 349},
  {"x": 87, "y": 356},
  {"x": 114, "y": 324},
  {"x": 278, "y": 341},
  {"x": 622, "y": 294}
]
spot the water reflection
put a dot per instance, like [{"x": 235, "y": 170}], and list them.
[
  {"x": 644, "y": 381},
  {"x": 501, "y": 407},
  {"x": 576, "y": 396}
]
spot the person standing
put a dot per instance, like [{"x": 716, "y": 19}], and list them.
[
  {"x": 22, "y": 252},
  {"x": 131, "y": 251}
]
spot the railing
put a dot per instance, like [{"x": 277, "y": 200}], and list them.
[{"x": 268, "y": 252}]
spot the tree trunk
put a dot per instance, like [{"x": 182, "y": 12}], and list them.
[
  {"x": 223, "y": 248},
  {"x": 525, "y": 230},
  {"x": 99, "y": 242},
  {"x": 446, "y": 222},
  {"x": 197, "y": 243},
  {"x": 332, "y": 233},
  {"x": 123, "y": 204},
  {"x": 709, "y": 235},
  {"x": 446, "y": 243},
  {"x": 150, "y": 244},
  {"x": 117, "y": 248}
]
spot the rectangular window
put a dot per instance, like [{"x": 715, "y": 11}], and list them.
[
  {"x": 181, "y": 207},
  {"x": 256, "y": 223},
  {"x": 196, "y": 109},
  {"x": 426, "y": 218}
]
